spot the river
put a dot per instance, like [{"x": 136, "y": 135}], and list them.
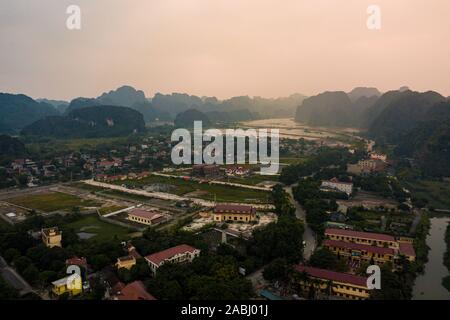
[{"x": 428, "y": 285}]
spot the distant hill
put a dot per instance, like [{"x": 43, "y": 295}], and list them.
[
  {"x": 18, "y": 110},
  {"x": 186, "y": 119},
  {"x": 402, "y": 114},
  {"x": 79, "y": 103},
  {"x": 125, "y": 96},
  {"x": 89, "y": 122},
  {"x": 360, "y": 92},
  {"x": 332, "y": 109},
  {"x": 59, "y": 105},
  {"x": 429, "y": 141},
  {"x": 11, "y": 148}
]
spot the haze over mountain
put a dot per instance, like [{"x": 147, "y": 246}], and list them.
[
  {"x": 18, "y": 110},
  {"x": 360, "y": 92},
  {"x": 403, "y": 113},
  {"x": 89, "y": 122}
]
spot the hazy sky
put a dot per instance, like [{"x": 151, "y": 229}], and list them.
[{"x": 222, "y": 47}]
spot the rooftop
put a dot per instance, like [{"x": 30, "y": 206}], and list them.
[
  {"x": 407, "y": 249},
  {"x": 158, "y": 257},
  {"x": 232, "y": 208},
  {"x": 144, "y": 214},
  {"x": 51, "y": 231},
  {"x": 135, "y": 291},
  {"x": 360, "y": 234},
  {"x": 333, "y": 276},
  {"x": 76, "y": 261},
  {"x": 361, "y": 247}
]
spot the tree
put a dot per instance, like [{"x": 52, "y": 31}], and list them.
[
  {"x": 10, "y": 254},
  {"x": 31, "y": 274},
  {"x": 7, "y": 292},
  {"x": 325, "y": 259},
  {"x": 278, "y": 269}
]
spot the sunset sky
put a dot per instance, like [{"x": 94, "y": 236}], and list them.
[{"x": 222, "y": 48}]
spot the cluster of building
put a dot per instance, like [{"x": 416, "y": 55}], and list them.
[
  {"x": 356, "y": 247},
  {"x": 121, "y": 177},
  {"x": 376, "y": 163},
  {"x": 237, "y": 171},
  {"x": 73, "y": 284},
  {"x": 368, "y": 247}
]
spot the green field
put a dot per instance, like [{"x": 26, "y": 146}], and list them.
[
  {"x": 49, "y": 202},
  {"x": 436, "y": 192},
  {"x": 106, "y": 210},
  {"x": 252, "y": 180},
  {"x": 210, "y": 191},
  {"x": 103, "y": 230}
]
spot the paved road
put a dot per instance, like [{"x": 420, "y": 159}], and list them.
[
  {"x": 418, "y": 216},
  {"x": 308, "y": 236},
  {"x": 13, "y": 278}
]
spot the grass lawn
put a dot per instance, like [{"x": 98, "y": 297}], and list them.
[
  {"x": 253, "y": 180},
  {"x": 103, "y": 230},
  {"x": 436, "y": 192},
  {"x": 219, "y": 192},
  {"x": 106, "y": 210},
  {"x": 49, "y": 202}
]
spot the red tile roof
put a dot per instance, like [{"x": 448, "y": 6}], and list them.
[
  {"x": 355, "y": 246},
  {"x": 135, "y": 291},
  {"x": 75, "y": 261},
  {"x": 407, "y": 249},
  {"x": 232, "y": 208},
  {"x": 360, "y": 234},
  {"x": 158, "y": 257},
  {"x": 333, "y": 276},
  {"x": 144, "y": 214}
]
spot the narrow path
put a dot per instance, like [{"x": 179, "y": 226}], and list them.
[{"x": 308, "y": 235}]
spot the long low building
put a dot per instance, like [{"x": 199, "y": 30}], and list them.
[
  {"x": 360, "y": 252},
  {"x": 368, "y": 238},
  {"x": 237, "y": 213},
  {"x": 368, "y": 246},
  {"x": 148, "y": 218},
  {"x": 339, "y": 284},
  {"x": 178, "y": 254}
]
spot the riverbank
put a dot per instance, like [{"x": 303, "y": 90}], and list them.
[
  {"x": 446, "y": 280},
  {"x": 428, "y": 285}
]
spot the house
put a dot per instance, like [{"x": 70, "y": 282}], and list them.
[
  {"x": 335, "y": 184},
  {"x": 72, "y": 285},
  {"x": 178, "y": 254},
  {"x": 241, "y": 213},
  {"x": 126, "y": 262},
  {"x": 75, "y": 261},
  {"x": 51, "y": 237},
  {"x": 333, "y": 283},
  {"x": 378, "y": 156},
  {"x": 145, "y": 217},
  {"x": 367, "y": 166},
  {"x": 133, "y": 291}
]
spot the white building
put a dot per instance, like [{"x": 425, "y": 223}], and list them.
[
  {"x": 335, "y": 184},
  {"x": 178, "y": 254}
]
